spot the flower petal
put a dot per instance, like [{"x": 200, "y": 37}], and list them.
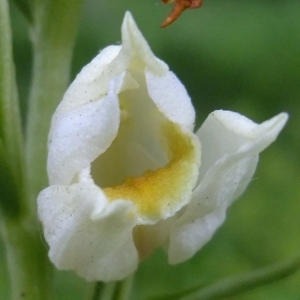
[
  {"x": 136, "y": 47},
  {"x": 78, "y": 133},
  {"x": 92, "y": 83},
  {"x": 171, "y": 98},
  {"x": 88, "y": 234},
  {"x": 79, "y": 136},
  {"x": 230, "y": 146}
]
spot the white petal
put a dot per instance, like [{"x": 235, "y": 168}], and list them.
[
  {"x": 171, "y": 98},
  {"x": 79, "y": 136},
  {"x": 128, "y": 122},
  {"x": 88, "y": 234},
  {"x": 230, "y": 146},
  {"x": 87, "y": 119},
  {"x": 92, "y": 83},
  {"x": 135, "y": 46}
]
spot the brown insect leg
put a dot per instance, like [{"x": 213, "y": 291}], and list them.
[{"x": 179, "y": 7}]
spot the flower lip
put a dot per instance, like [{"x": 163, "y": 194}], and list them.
[
  {"x": 159, "y": 193},
  {"x": 153, "y": 161}
]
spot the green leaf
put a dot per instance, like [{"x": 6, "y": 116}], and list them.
[
  {"x": 9, "y": 196},
  {"x": 24, "y": 7},
  {"x": 10, "y": 120},
  {"x": 53, "y": 34},
  {"x": 236, "y": 285}
]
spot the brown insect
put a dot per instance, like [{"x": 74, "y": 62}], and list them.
[{"x": 179, "y": 7}]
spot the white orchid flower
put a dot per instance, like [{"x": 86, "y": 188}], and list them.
[{"x": 124, "y": 165}]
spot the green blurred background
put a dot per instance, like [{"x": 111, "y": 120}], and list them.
[{"x": 237, "y": 55}]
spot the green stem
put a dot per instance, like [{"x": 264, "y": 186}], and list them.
[
  {"x": 240, "y": 284},
  {"x": 28, "y": 269},
  {"x": 24, "y": 7},
  {"x": 120, "y": 290},
  {"x": 97, "y": 290},
  {"x": 53, "y": 34},
  {"x": 10, "y": 120},
  {"x": 123, "y": 288},
  {"x": 236, "y": 285},
  {"x": 54, "y": 27},
  {"x": 107, "y": 291},
  {"x": 25, "y": 254}
]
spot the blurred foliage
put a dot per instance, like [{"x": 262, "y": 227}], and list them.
[{"x": 237, "y": 55}]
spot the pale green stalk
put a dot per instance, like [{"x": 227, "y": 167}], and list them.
[
  {"x": 120, "y": 290},
  {"x": 24, "y": 253},
  {"x": 53, "y": 33},
  {"x": 123, "y": 288},
  {"x": 53, "y": 29},
  {"x": 238, "y": 284},
  {"x": 24, "y": 7},
  {"x": 29, "y": 272},
  {"x": 98, "y": 286},
  {"x": 10, "y": 121},
  {"x": 106, "y": 291}
]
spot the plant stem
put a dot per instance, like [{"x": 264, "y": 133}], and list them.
[
  {"x": 238, "y": 284},
  {"x": 53, "y": 32},
  {"x": 24, "y": 7},
  {"x": 53, "y": 35},
  {"x": 97, "y": 290},
  {"x": 123, "y": 288},
  {"x": 54, "y": 26},
  {"x": 107, "y": 291},
  {"x": 28, "y": 269},
  {"x": 10, "y": 121},
  {"x": 24, "y": 253},
  {"x": 120, "y": 290}
]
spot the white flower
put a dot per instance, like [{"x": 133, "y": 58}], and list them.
[{"x": 124, "y": 165}]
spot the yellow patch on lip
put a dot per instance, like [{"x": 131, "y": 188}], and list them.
[{"x": 155, "y": 191}]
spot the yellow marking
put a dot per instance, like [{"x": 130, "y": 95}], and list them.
[{"x": 155, "y": 190}]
